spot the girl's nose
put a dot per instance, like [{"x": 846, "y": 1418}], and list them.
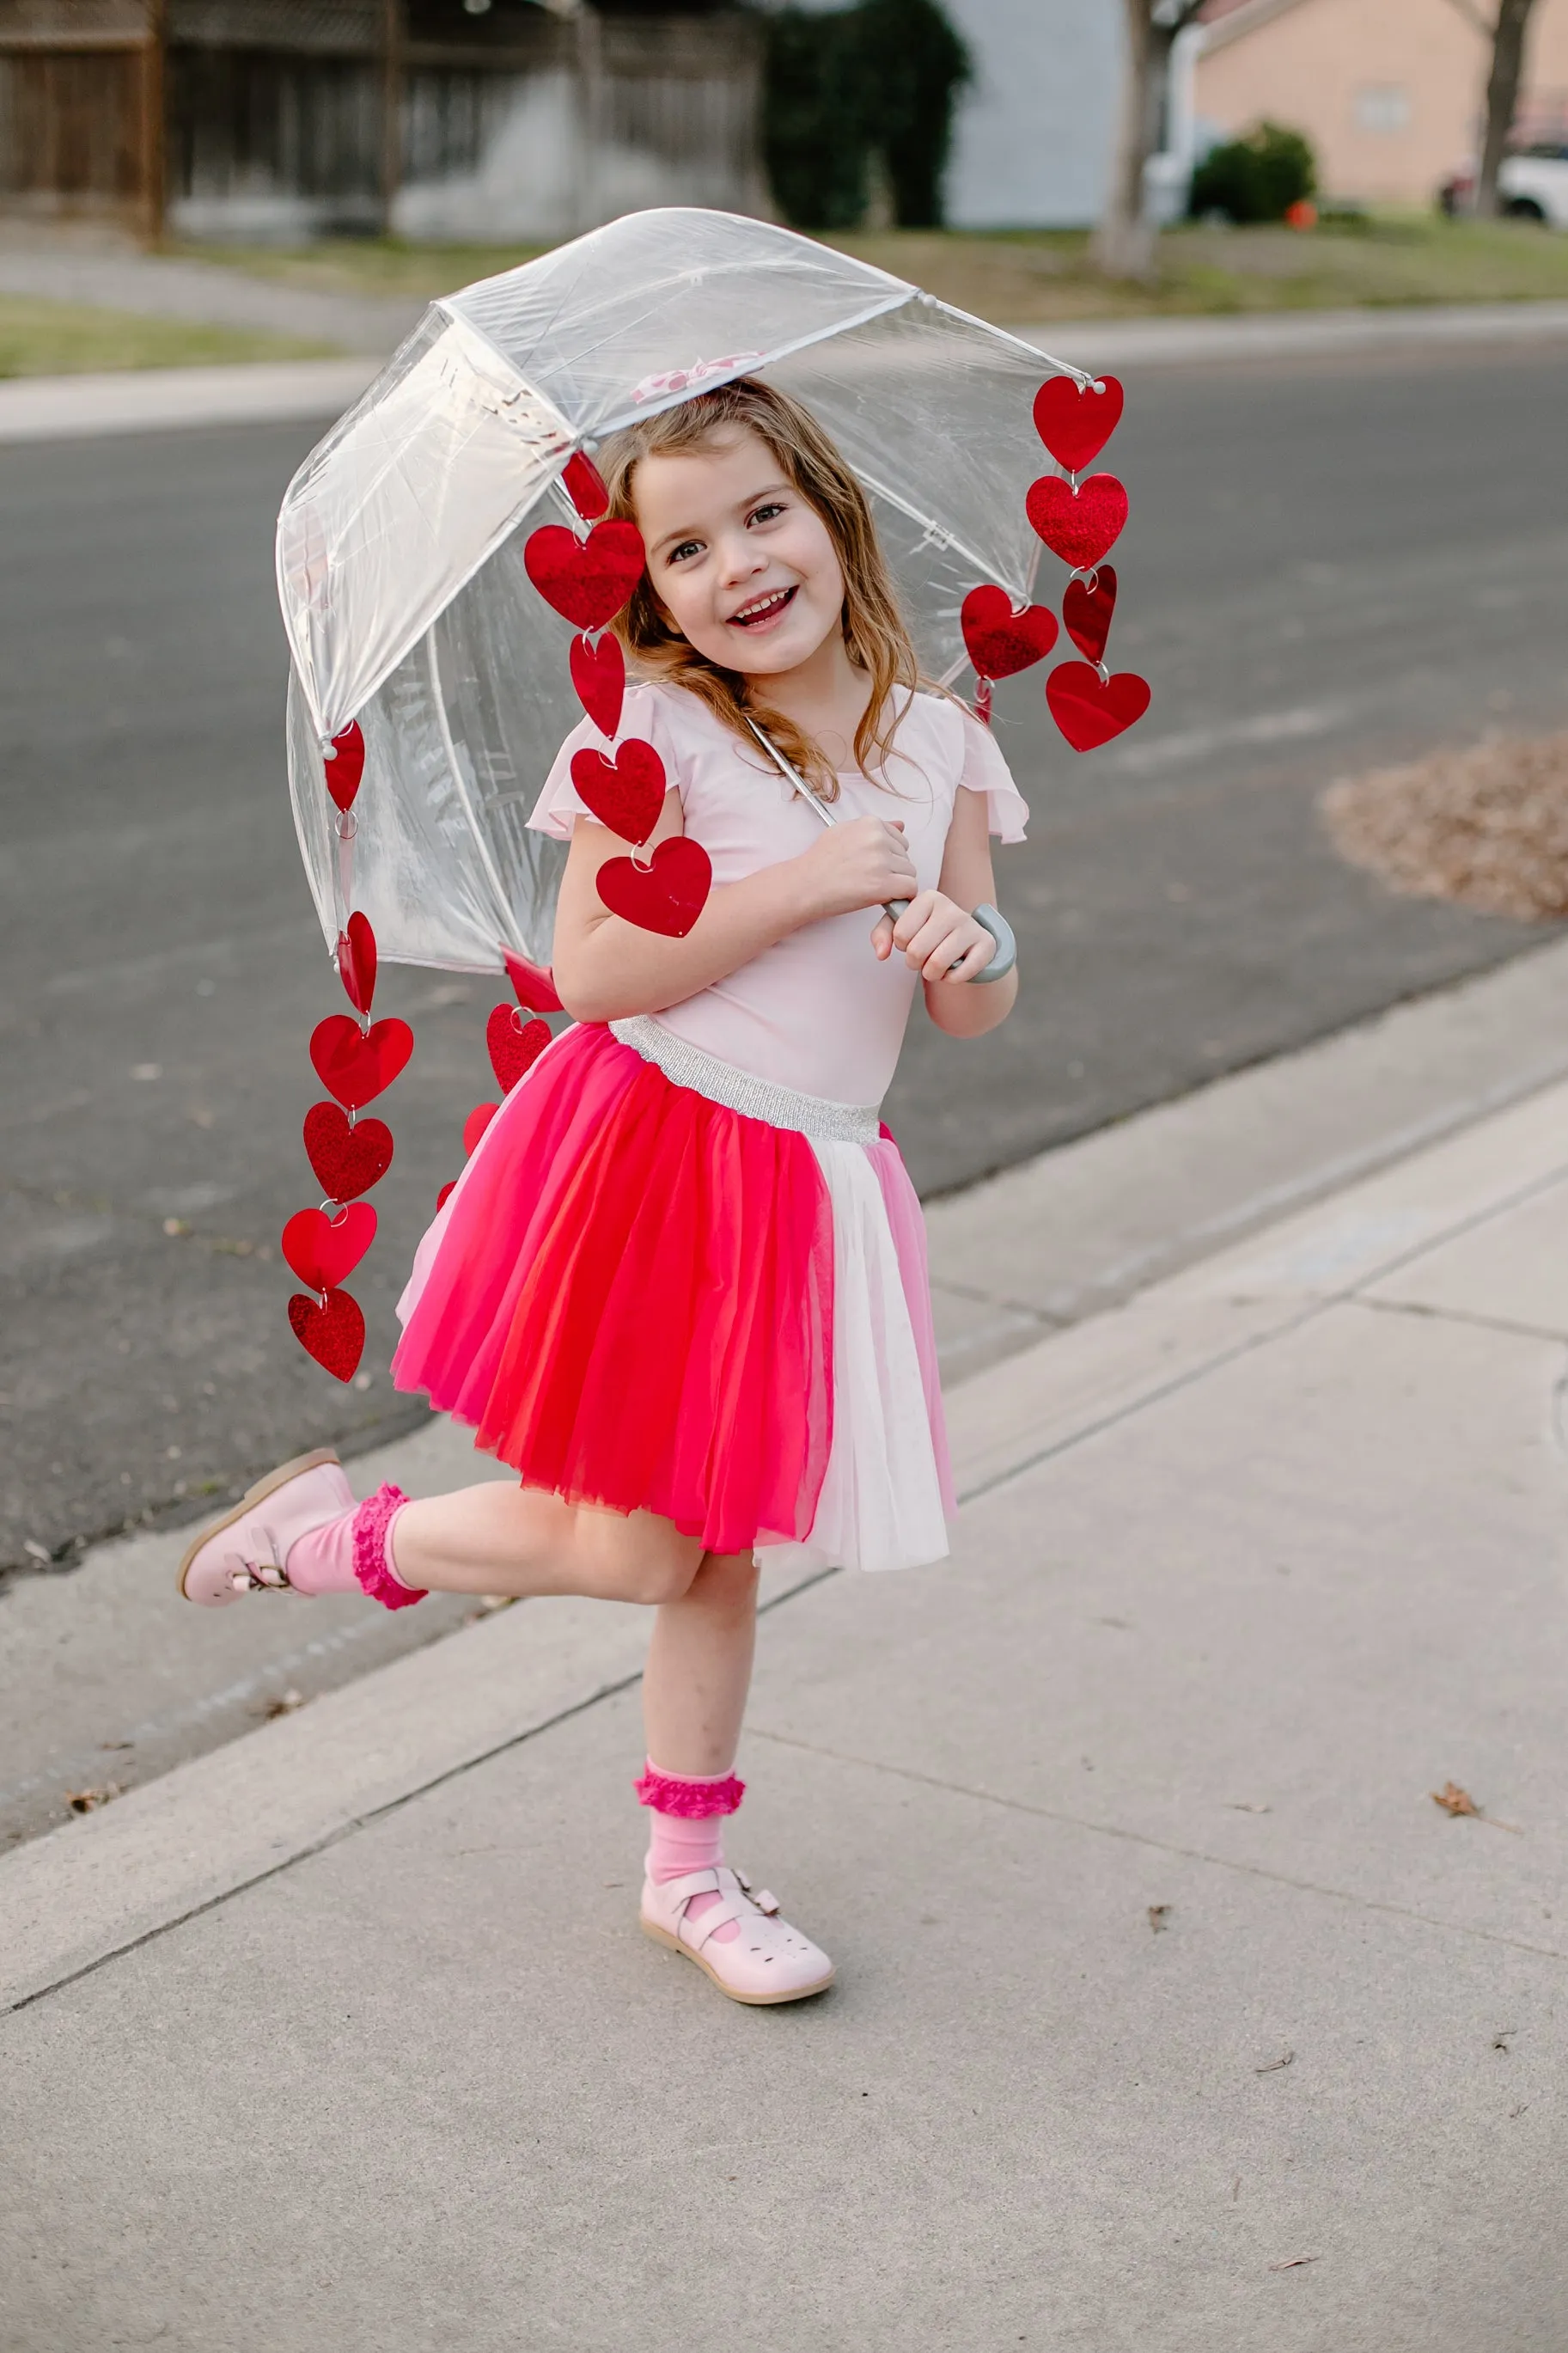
[{"x": 740, "y": 559}]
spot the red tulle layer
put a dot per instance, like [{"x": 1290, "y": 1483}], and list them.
[{"x": 629, "y": 1297}]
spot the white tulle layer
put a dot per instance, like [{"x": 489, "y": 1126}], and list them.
[{"x": 884, "y": 1491}]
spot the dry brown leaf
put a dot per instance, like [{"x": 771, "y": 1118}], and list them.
[
  {"x": 1274, "y": 2065},
  {"x": 85, "y": 1801},
  {"x": 1456, "y": 1802},
  {"x": 1158, "y": 1915},
  {"x": 284, "y": 1704},
  {"x": 1294, "y": 2262}
]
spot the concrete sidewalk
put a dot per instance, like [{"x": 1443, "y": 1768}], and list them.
[{"x": 1170, "y": 2009}]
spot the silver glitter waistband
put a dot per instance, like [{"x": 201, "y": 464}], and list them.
[{"x": 687, "y": 1066}]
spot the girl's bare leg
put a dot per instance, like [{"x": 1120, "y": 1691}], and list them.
[
  {"x": 699, "y": 1667},
  {"x": 521, "y": 1541},
  {"x": 518, "y": 1540}
]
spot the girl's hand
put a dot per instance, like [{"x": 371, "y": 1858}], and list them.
[
  {"x": 856, "y": 865},
  {"x": 939, "y": 940}
]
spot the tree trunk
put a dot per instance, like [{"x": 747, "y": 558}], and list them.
[
  {"x": 1503, "y": 98},
  {"x": 1123, "y": 243}
]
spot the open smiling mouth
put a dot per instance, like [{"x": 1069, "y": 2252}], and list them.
[{"x": 762, "y": 610}]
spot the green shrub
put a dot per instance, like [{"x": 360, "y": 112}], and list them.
[
  {"x": 840, "y": 85},
  {"x": 1257, "y": 178}
]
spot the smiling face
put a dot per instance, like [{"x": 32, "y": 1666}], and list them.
[{"x": 745, "y": 569}]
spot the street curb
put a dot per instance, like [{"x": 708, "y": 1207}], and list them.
[
  {"x": 158, "y": 400},
  {"x": 1275, "y": 334}
]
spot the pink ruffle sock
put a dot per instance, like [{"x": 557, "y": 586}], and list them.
[
  {"x": 354, "y": 1548},
  {"x": 687, "y": 1813}
]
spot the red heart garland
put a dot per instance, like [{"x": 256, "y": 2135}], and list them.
[
  {"x": 1087, "y": 608},
  {"x": 585, "y": 580},
  {"x": 346, "y": 768},
  {"x": 357, "y": 1065},
  {"x": 1091, "y": 710},
  {"x": 514, "y": 1045},
  {"x": 1078, "y": 525},
  {"x": 321, "y": 1250},
  {"x": 474, "y": 1126},
  {"x": 666, "y": 896},
  {"x": 1000, "y": 641},
  {"x": 533, "y": 985},
  {"x": 356, "y": 962},
  {"x": 346, "y": 1160},
  {"x": 331, "y": 1330},
  {"x": 444, "y": 1194},
  {"x": 626, "y": 793},
  {"x": 584, "y": 486},
  {"x": 1076, "y": 422},
  {"x": 599, "y": 675}
]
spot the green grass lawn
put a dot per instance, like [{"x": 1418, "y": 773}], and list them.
[
  {"x": 1027, "y": 277},
  {"x": 38, "y": 338}
]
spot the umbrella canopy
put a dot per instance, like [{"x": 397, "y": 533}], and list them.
[{"x": 400, "y": 564}]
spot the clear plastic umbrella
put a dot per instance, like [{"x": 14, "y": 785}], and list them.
[{"x": 400, "y": 563}]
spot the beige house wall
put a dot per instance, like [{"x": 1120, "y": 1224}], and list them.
[{"x": 1390, "y": 92}]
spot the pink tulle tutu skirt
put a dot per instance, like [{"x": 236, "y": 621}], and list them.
[{"x": 642, "y": 1297}]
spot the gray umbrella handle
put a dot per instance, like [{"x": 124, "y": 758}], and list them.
[{"x": 990, "y": 919}]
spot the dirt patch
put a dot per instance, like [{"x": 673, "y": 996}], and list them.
[{"x": 1487, "y": 828}]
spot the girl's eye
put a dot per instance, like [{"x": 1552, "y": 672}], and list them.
[
  {"x": 687, "y": 547},
  {"x": 766, "y": 513}
]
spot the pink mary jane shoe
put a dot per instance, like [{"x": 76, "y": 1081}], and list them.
[
  {"x": 245, "y": 1551},
  {"x": 768, "y": 1961}
]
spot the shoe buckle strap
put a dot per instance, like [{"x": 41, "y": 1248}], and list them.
[{"x": 762, "y": 1897}]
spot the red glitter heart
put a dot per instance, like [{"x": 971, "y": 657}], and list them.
[
  {"x": 474, "y": 1126},
  {"x": 356, "y": 962},
  {"x": 346, "y": 766},
  {"x": 345, "y": 1160},
  {"x": 666, "y": 896},
  {"x": 1087, "y": 608},
  {"x": 1000, "y": 641},
  {"x": 1078, "y": 525},
  {"x": 515, "y": 1045},
  {"x": 331, "y": 1330},
  {"x": 626, "y": 793},
  {"x": 1073, "y": 423},
  {"x": 585, "y": 580},
  {"x": 584, "y": 486},
  {"x": 357, "y": 1065},
  {"x": 1091, "y": 710},
  {"x": 599, "y": 675},
  {"x": 533, "y": 985},
  {"x": 321, "y": 1250}
]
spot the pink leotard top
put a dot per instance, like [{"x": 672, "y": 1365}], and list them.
[{"x": 817, "y": 1012}]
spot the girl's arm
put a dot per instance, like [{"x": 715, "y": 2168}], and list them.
[
  {"x": 937, "y": 928},
  {"x": 606, "y": 969}
]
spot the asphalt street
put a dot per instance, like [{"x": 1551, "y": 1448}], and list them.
[{"x": 1329, "y": 565}]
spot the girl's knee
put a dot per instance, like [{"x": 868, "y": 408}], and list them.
[{"x": 727, "y": 1580}]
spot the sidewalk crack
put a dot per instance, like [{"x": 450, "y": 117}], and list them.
[{"x": 1159, "y": 1845}]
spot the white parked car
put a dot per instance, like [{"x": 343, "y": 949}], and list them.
[{"x": 1531, "y": 186}]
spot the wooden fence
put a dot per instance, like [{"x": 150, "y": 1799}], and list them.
[{"x": 283, "y": 120}]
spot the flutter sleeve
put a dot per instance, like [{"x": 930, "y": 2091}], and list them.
[
  {"x": 560, "y": 805},
  {"x": 986, "y": 771}
]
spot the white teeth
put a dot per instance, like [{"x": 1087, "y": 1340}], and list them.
[{"x": 764, "y": 605}]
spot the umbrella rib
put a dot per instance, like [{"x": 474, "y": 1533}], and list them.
[{"x": 934, "y": 531}]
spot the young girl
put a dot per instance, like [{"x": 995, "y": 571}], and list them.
[{"x": 680, "y": 1285}]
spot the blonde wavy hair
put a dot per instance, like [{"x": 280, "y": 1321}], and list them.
[{"x": 875, "y": 633}]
